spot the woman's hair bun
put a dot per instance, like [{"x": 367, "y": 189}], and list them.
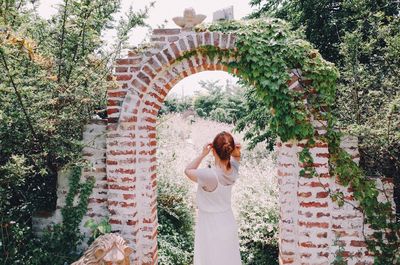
[
  {"x": 227, "y": 149},
  {"x": 224, "y": 145}
]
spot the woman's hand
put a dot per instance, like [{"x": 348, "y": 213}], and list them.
[
  {"x": 191, "y": 168},
  {"x": 206, "y": 149},
  {"x": 236, "y": 151}
]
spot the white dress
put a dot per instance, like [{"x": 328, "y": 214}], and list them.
[{"x": 216, "y": 232}]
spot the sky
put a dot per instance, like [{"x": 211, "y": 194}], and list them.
[{"x": 166, "y": 10}]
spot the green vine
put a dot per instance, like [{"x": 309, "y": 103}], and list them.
[
  {"x": 209, "y": 50},
  {"x": 265, "y": 50},
  {"x": 73, "y": 213},
  {"x": 62, "y": 240}
]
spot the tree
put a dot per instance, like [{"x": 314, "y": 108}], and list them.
[
  {"x": 53, "y": 78},
  {"x": 220, "y": 103},
  {"x": 362, "y": 39},
  {"x": 325, "y": 22}
]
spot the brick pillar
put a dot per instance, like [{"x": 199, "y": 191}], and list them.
[
  {"x": 94, "y": 137},
  {"x": 304, "y": 206},
  {"x": 288, "y": 173},
  {"x": 314, "y": 210},
  {"x": 347, "y": 222}
]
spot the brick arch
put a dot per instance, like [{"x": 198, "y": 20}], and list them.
[
  {"x": 133, "y": 170},
  {"x": 307, "y": 214}
]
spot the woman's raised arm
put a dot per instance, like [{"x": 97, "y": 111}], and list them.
[{"x": 190, "y": 169}]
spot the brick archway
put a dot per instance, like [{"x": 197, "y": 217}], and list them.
[{"x": 307, "y": 214}]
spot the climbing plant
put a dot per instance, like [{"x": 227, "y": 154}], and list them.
[{"x": 265, "y": 50}]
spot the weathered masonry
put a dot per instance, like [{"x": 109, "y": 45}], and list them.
[{"x": 124, "y": 160}]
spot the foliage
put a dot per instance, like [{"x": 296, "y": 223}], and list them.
[
  {"x": 339, "y": 254},
  {"x": 256, "y": 200},
  {"x": 53, "y": 79},
  {"x": 219, "y": 103},
  {"x": 324, "y": 22},
  {"x": 370, "y": 85},
  {"x": 172, "y": 105},
  {"x": 384, "y": 241},
  {"x": 274, "y": 39},
  {"x": 362, "y": 39},
  {"x": 101, "y": 228},
  {"x": 175, "y": 217},
  {"x": 58, "y": 244},
  {"x": 14, "y": 174},
  {"x": 175, "y": 211},
  {"x": 254, "y": 121}
]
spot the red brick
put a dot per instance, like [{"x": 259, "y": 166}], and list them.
[
  {"x": 319, "y": 215},
  {"x": 199, "y": 40},
  {"x": 175, "y": 50},
  {"x": 323, "y": 194},
  {"x": 287, "y": 260},
  {"x": 314, "y": 204},
  {"x": 191, "y": 42},
  {"x": 148, "y": 71},
  {"x": 166, "y": 31},
  {"x": 143, "y": 77},
  {"x": 121, "y": 69},
  {"x": 112, "y": 103},
  {"x": 168, "y": 56},
  {"x": 116, "y": 93},
  {"x": 161, "y": 58},
  {"x": 314, "y": 224},
  {"x": 216, "y": 39},
  {"x": 308, "y": 244},
  {"x": 207, "y": 38},
  {"x": 304, "y": 194},
  {"x": 124, "y": 77},
  {"x": 357, "y": 243},
  {"x": 114, "y": 221},
  {"x": 112, "y": 111}
]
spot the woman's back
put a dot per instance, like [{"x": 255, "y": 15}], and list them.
[{"x": 215, "y": 188}]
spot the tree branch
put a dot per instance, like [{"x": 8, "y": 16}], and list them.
[
  {"x": 28, "y": 120},
  {"x": 62, "y": 41},
  {"x": 76, "y": 48}
]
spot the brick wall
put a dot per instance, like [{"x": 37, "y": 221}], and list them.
[{"x": 94, "y": 137}]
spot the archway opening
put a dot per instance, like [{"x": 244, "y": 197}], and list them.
[{"x": 194, "y": 111}]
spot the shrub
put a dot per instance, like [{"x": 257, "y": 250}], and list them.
[
  {"x": 255, "y": 199},
  {"x": 175, "y": 209}
]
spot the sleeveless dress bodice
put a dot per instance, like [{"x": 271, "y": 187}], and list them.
[{"x": 218, "y": 200}]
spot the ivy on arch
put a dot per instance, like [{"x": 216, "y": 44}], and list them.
[{"x": 265, "y": 50}]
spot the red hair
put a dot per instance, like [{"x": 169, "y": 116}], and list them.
[{"x": 224, "y": 144}]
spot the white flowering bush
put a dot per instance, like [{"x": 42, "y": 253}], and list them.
[
  {"x": 255, "y": 201},
  {"x": 254, "y": 198}
]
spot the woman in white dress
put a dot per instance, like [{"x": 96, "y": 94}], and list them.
[{"x": 216, "y": 233}]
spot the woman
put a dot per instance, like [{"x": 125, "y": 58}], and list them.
[{"x": 216, "y": 233}]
